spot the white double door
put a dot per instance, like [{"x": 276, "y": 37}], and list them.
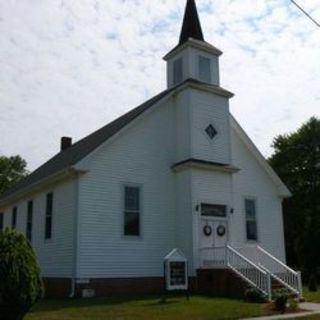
[
  {"x": 213, "y": 233},
  {"x": 213, "y": 241}
]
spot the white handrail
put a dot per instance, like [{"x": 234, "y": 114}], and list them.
[
  {"x": 288, "y": 277},
  {"x": 250, "y": 272},
  {"x": 277, "y": 260},
  {"x": 245, "y": 259},
  {"x": 282, "y": 273}
]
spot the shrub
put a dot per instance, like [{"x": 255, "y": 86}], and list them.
[
  {"x": 293, "y": 304},
  {"x": 254, "y": 295},
  {"x": 280, "y": 299},
  {"x": 20, "y": 283}
]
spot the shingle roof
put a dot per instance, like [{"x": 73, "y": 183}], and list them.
[
  {"x": 83, "y": 147},
  {"x": 69, "y": 157}
]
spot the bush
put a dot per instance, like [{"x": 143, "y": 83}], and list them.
[
  {"x": 293, "y": 304},
  {"x": 280, "y": 299},
  {"x": 20, "y": 283},
  {"x": 254, "y": 295}
]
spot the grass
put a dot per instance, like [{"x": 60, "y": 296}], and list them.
[
  {"x": 197, "y": 308},
  {"x": 312, "y": 296}
]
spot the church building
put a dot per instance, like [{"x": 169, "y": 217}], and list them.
[{"x": 178, "y": 171}]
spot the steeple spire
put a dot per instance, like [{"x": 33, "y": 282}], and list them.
[{"x": 191, "y": 27}]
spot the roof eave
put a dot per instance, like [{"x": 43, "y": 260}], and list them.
[
  {"x": 70, "y": 172},
  {"x": 195, "y": 84},
  {"x": 202, "y": 45}
]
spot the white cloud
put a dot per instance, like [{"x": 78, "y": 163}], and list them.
[{"x": 70, "y": 67}]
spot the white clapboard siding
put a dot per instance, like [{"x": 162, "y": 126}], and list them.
[
  {"x": 208, "y": 108},
  {"x": 140, "y": 156},
  {"x": 252, "y": 181},
  {"x": 55, "y": 255}
]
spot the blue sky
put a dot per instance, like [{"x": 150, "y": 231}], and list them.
[{"x": 69, "y": 67}]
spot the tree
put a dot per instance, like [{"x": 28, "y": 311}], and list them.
[
  {"x": 20, "y": 282},
  {"x": 12, "y": 170},
  {"x": 296, "y": 159}
]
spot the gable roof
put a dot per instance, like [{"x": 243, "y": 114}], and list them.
[
  {"x": 83, "y": 147},
  {"x": 76, "y": 152},
  {"x": 79, "y": 150}
]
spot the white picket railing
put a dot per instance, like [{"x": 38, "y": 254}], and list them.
[
  {"x": 282, "y": 273},
  {"x": 248, "y": 271},
  {"x": 253, "y": 264}
]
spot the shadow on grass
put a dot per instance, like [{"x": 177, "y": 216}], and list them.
[
  {"x": 56, "y": 305},
  {"x": 160, "y": 302}
]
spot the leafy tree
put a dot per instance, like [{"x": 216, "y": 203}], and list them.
[
  {"x": 12, "y": 170},
  {"x": 20, "y": 283},
  {"x": 296, "y": 159}
]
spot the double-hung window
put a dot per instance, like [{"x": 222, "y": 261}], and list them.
[
  {"x": 14, "y": 217},
  {"x": 251, "y": 220},
  {"x": 131, "y": 211},
  {"x": 29, "y": 220},
  {"x": 49, "y": 213}
]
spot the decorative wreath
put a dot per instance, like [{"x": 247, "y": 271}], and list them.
[
  {"x": 221, "y": 231},
  {"x": 207, "y": 230}
]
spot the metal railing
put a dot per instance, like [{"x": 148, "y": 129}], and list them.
[{"x": 249, "y": 271}]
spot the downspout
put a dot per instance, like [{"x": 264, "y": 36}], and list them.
[{"x": 75, "y": 242}]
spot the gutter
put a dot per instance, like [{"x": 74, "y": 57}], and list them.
[{"x": 75, "y": 243}]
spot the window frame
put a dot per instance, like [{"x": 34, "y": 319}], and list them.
[
  {"x": 202, "y": 57},
  {"x": 174, "y": 64},
  {"x": 29, "y": 222},
  {"x": 140, "y": 211},
  {"x": 14, "y": 217},
  {"x": 48, "y": 215},
  {"x": 250, "y": 220}
]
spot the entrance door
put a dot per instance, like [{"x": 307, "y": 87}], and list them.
[
  {"x": 213, "y": 236},
  {"x": 213, "y": 233}
]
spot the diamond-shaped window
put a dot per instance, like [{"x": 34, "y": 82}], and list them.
[{"x": 211, "y": 131}]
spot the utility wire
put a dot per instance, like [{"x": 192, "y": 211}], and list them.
[{"x": 306, "y": 13}]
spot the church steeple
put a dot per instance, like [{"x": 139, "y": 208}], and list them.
[
  {"x": 193, "y": 57},
  {"x": 191, "y": 27}
]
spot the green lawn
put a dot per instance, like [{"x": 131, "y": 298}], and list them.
[
  {"x": 198, "y": 308},
  {"x": 312, "y": 296}
]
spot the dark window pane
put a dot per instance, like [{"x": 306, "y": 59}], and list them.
[
  {"x": 213, "y": 210},
  {"x": 48, "y": 227},
  {"x": 49, "y": 211},
  {"x": 252, "y": 230},
  {"x": 29, "y": 220},
  {"x": 177, "y": 71},
  {"x": 205, "y": 69},
  {"x": 250, "y": 209},
  {"x": 1, "y": 221},
  {"x": 131, "y": 224},
  {"x": 14, "y": 218}
]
